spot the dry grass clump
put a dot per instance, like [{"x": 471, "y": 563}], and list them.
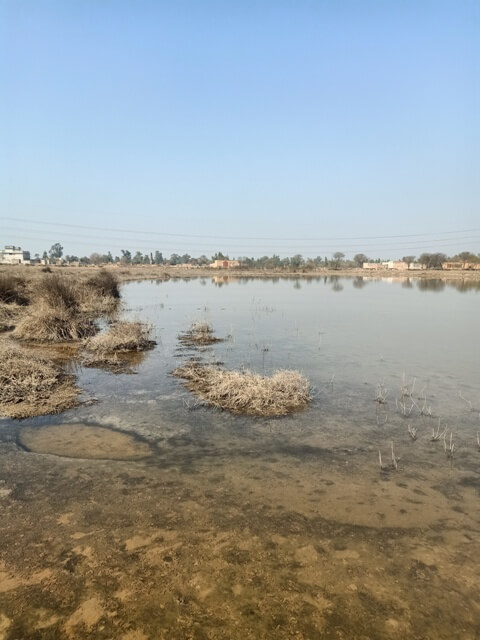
[
  {"x": 200, "y": 333},
  {"x": 9, "y": 316},
  {"x": 45, "y": 323},
  {"x": 245, "y": 392},
  {"x": 12, "y": 289},
  {"x": 30, "y": 385},
  {"x": 105, "y": 283},
  {"x": 122, "y": 337},
  {"x": 58, "y": 291}
]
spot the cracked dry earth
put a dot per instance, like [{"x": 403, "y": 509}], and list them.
[{"x": 234, "y": 542}]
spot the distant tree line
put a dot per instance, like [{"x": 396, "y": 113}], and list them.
[{"x": 295, "y": 262}]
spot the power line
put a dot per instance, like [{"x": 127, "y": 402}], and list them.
[{"x": 237, "y": 238}]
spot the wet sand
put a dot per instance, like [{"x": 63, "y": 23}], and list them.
[{"x": 283, "y": 539}]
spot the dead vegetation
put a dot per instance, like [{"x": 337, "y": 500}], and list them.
[
  {"x": 199, "y": 334},
  {"x": 13, "y": 289},
  {"x": 30, "y": 385},
  {"x": 9, "y": 316},
  {"x": 245, "y": 392},
  {"x": 48, "y": 324},
  {"x": 121, "y": 337},
  {"x": 63, "y": 309},
  {"x": 120, "y": 348}
]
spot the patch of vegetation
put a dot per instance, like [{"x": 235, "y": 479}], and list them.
[
  {"x": 199, "y": 334},
  {"x": 13, "y": 289},
  {"x": 105, "y": 283},
  {"x": 245, "y": 392},
  {"x": 122, "y": 337},
  {"x": 50, "y": 323},
  {"x": 29, "y": 380}
]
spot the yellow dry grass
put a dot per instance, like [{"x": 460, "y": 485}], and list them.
[
  {"x": 122, "y": 336},
  {"x": 245, "y": 392},
  {"x": 30, "y": 385},
  {"x": 46, "y": 323}
]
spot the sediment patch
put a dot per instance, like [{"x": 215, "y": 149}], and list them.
[{"x": 83, "y": 441}]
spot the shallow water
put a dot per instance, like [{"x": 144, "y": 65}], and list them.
[{"x": 234, "y": 527}]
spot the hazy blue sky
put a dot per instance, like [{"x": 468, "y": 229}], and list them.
[{"x": 313, "y": 126}]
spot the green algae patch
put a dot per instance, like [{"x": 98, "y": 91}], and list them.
[{"x": 83, "y": 441}]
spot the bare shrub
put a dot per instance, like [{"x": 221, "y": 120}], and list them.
[
  {"x": 58, "y": 291},
  {"x": 12, "y": 289},
  {"x": 200, "y": 333},
  {"x": 245, "y": 392},
  {"x": 121, "y": 337},
  {"x": 45, "y": 323},
  {"x": 29, "y": 383},
  {"x": 106, "y": 283}
]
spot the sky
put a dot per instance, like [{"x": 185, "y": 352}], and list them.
[{"x": 245, "y": 127}]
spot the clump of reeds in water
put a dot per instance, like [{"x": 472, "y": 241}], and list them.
[
  {"x": 55, "y": 315},
  {"x": 121, "y": 337},
  {"x": 199, "y": 333},
  {"x": 25, "y": 378},
  {"x": 245, "y": 392}
]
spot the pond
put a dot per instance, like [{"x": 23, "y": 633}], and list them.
[{"x": 203, "y": 524}]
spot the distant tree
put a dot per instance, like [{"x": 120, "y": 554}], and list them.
[
  {"x": 126, "y": 256},
  {"x": 108, "y": 257},
  {"x": 96, "y": 258},
  {"x": 337, "y": 259},
  {"x": 146, "y": 259},
  {"x": 84, "y": 260},
  {"x": 174, "y": 259},
  {"x": 432, "y": 260},
  {"x": 359, "y": 259},
  {"x": 158, "y": 258},
  {"x": 137, "y": 258},
  {"x": 408, "y": 259},
  {"x": 296, "y": 261},
  {"x": 185, "y": 259},
  {"x": 56, "y": 251},
  {"x": 467, "y": 256},
  {"x": 219, "y": 256},
  {"x": 71, "y": 258},
  {"x": 203, "y": 260}
]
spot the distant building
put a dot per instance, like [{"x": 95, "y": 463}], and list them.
[
  {"x": 373, "y": 266},
  {"x": 395, "y": 264},
  {"x": 14, "y": 255},
  {"x": 465, "y": 266},
  {"x": 224, "y": 264}
]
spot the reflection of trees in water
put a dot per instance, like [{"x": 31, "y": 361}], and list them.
[
  {"x": 431, "y": 284},
  {"x": 297, "y": 284},
  {"x": 465, "y": 285},
  {"x": 407, "y": 284},
  {"x": 335, "y": 282},
  {"x": 359, "y": 282}
]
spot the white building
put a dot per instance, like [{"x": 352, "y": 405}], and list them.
[{"x": 14, "y": 255}]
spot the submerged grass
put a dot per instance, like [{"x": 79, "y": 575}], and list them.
[
  {"x": 199, "y": 334},
  {"x": 245, "y": 392},
  {"x": 30, "y": 385}
]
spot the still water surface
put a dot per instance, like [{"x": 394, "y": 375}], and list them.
[{"x": 237, "y": 527}]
